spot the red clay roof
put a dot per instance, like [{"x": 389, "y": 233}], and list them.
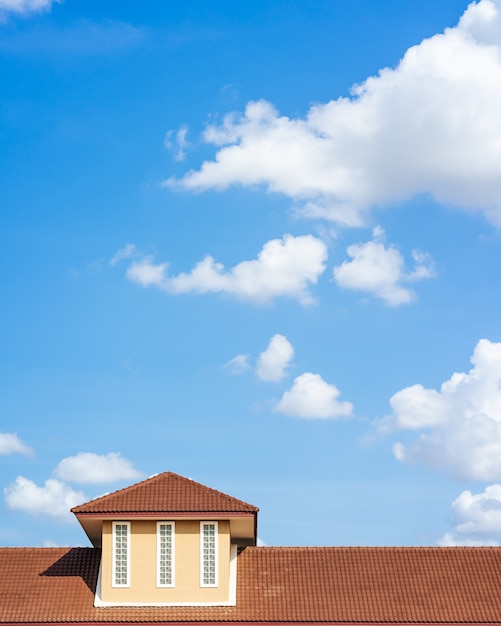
[
  {"x": 345, "y": 585},
  {"x": 166, "y": 493}
]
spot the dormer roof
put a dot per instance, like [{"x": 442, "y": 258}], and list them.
[
  {"x": 167, "y": 496},
  {"x": 165, "y": 493}
]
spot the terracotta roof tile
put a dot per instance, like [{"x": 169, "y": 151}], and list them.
[
  {"x": 166, "y": 493},
  {"x": 374, "y": 585}
]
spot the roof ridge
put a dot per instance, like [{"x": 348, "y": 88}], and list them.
[{"x": 166, "y": 477}]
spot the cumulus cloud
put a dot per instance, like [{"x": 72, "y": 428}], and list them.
[
  {"x": 482, "y": 21},
  {"x": 88, "y": 467},
  {"x": 477, "y": 519},
  {"x": 380, "y": 270},
  {"x": 54, "y": 499},
  {"x": 311, "y": 397},
  {"x": 273, "y": 362},
  {"x": 11, "y": 444},
  {"x": 431, "y": 125},
  {"x": 460, "y": 423},
  {"x": 284, "y": 267},
  {"x": 25, "y": 7}
]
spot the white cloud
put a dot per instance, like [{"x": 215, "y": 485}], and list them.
[
  {"x": 477, "y": 519},
  {"x": 25, "y": 6},
  {"x": 380, "y": 270},
  {"x": 124, "y": 253},
  {"x": 11, "y": 444},
  {"x": 430, "y": 125},
  {"x": 284, "y": 267},
  {"x": 238, "y": 364},
  {"x": 177, "y": 142},
  {"x": 54, "y": 499},
  {"x": 312, "y": 398},
  {"x": 88, "y": 467},
  {"x": 482, "y": 21},
  {"x": 273, "y": 362},
  {"x": 460, "y": 424}
]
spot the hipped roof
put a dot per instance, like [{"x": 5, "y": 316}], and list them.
[
  {"x": 343, "y": 585},
  {"x": 165, "y": 493}
]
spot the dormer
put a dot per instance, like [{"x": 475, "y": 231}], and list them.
[{"x": 168, "y": 541}]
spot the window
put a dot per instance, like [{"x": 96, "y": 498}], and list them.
[
  {"x": 165, "y": 554},
  {"x": 121, "y": 554},
  {"x": 208, "y": 554}
]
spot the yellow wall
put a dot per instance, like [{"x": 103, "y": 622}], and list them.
[{"x": 143, "y": 565}]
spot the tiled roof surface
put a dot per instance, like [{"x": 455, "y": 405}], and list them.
[
  {"x": 166, "y": 493},
  {"x": 392, "y": 585}
]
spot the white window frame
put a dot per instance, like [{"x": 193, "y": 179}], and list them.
[
  {"x": 172, "y": 555},
  {"x": 204, "y": 560},
  {"x": 118, "y": 560}
]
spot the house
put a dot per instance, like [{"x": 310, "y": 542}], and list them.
[{"x": 169, "y": 550}]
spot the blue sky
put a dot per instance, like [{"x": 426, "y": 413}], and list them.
[{"x": 256, "y": 244}]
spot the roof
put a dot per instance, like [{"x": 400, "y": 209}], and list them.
[
  {"x": 371, "y": 585},
  {"x": 165, "y": 493}
]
